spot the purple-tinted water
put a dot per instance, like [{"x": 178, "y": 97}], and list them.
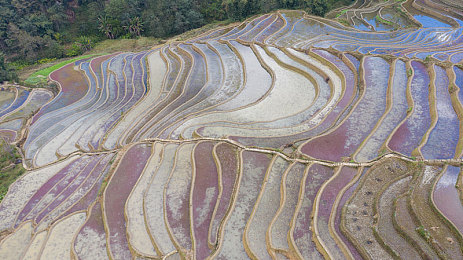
[
  {"x": 204, "y": 196},
  {"x": 408, "y": 136},
  {"x": 73, "y": 87},
  {"x": 84, "y": 196},
  {"x": 92, "y": 236},
  {"x": 443, "y": 139},
  {"x": 56, "y": 193},
  {"x": 326, "y": 202},
  {"x": 456, "y": 58},
  {"x": 66, "y": 192},
  {"x": 354, "y": 60},
  {"x": 302, "y": 233},
  {"x": 174, "y": 68},
  {"x": 447, "y": 197},
  {"x": 70, "y": 169},
  {"x": 227, "y": 156},
  {"x": 459, "y": 82},
  {"x": 116, "y": 194},
  {"x": 254, "y": 167},
  {"x": 249, "y": 36},
  {"x": 247, "y": 28},
  {"x": 97, "y": 65},
  {"x": 347, "y": 137},
  {"x": 177, "y": 198},
  {"x": 6, "y": 102},
  {"x": 274, "y": 27},
  {"x": 93, "y": 185},
  {"x": 20, "y": 99},
  {"x": 337, "y": 220}
]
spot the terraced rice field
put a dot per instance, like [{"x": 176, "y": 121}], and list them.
[{"x": 286, "y": 137}]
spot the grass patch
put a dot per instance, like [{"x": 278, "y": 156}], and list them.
[
  {"x": 41, "y": 75},
  {"x": 198, "y": 31},
  {"x": 428, "y": 59},
  {"x": 382, "y": 152},
  {"x": 10, "y": 166},
  {"x": 341, "y": 13},
  {"x": 134, "y": 45},
  {"x": 384, "y": 21},
  {"x": 409, "y": 72},
  {"x": 343, "y": 22},
  {"x": 423, "y": 233}
]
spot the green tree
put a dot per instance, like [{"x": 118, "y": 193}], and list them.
[
  {"x": 106, "y": 27},
  {"x": 134, "y": 27},
  {"x": 24, "y": 45},
  {"x": 7, "y": 73},
  {"x": 57, "y": 16},
  {"x": 85, "y": 43},
  {"x": 319, "y": 7},
  {"x": 212, "y": 10}
]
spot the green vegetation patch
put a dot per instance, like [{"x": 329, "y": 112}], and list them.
[
  {"x": 133, "y": 45},
  {"x": 341, "y": 13},
  {"x": 10, "y": 166},
  {"x": 423, "y": 233},
  {"x": 384, "y": 21},
  {"x": 41, "y": 75}
]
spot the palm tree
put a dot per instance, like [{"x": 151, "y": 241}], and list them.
[
  {"x": 105, "y": 27},
  {"x": 135, "y": 26},
  {"x": 85, "y": 43}
]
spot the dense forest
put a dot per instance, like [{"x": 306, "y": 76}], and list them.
[{"x": 40, "y": 30}]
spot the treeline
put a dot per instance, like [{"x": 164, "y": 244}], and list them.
[{"x": 34, "y": 30}]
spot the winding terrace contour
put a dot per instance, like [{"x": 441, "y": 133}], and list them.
[{"x": 288, "y": 136}]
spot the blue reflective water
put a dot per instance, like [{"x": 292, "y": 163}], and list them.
[
  {"x": 460, "y": 22},
  {"x": 362, "y": 27},
  {"x": 429, "y": 22},
  {"x": 379, "y": 27},
  {"x": 459, "y": 82}
]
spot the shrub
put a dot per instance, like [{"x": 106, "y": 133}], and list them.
[
  {"x": 74, "y": 50},
  {"x": 341, "y": 13},
  {"x": 409, "y": 72},
  {"x": 86, "y": 43},
  {"x": 7, "y": 72},
  {"x": 54, "y": 50},
  {"x": 45, "y": 60},
  {"x": 423, "y": 233}
]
